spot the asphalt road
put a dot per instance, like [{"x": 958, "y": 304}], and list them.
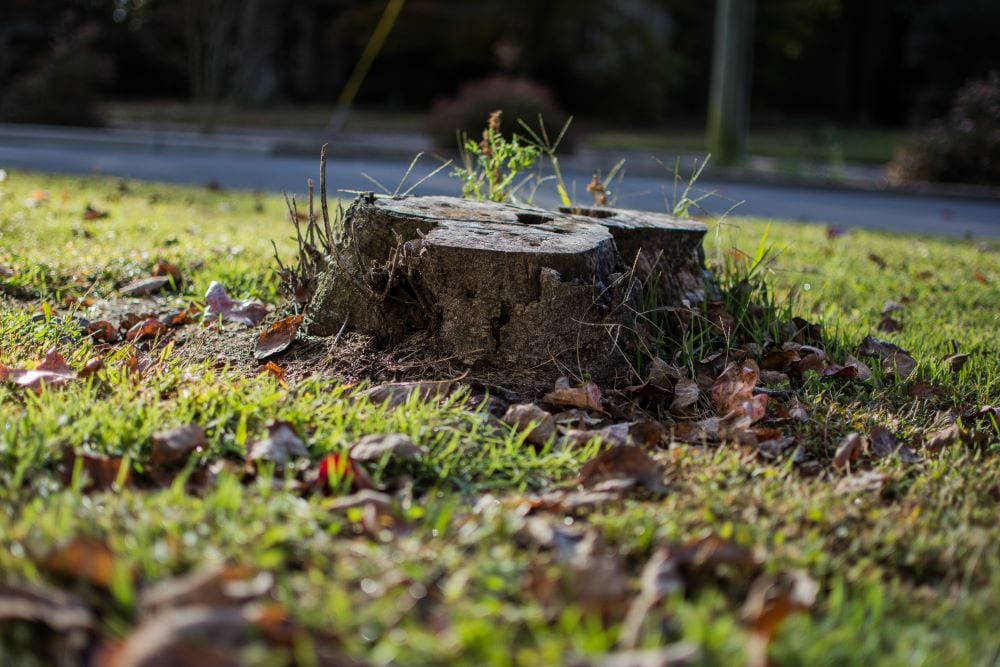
[{"x": 270, "y": 172}]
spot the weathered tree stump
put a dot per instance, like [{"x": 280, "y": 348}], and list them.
[
  {"x": 662, "y": 250},
  {"x": 490, "y": 285}
]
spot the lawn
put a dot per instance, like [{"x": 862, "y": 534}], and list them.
[
  {"x": 823, "y": 144},
  {"x": 482, "y": 551}
]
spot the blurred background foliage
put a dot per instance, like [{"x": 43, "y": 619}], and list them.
[{"x": 635, "y": 63}]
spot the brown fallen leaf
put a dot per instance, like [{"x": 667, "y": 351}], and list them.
[
  {"x": 219, "y": 305},
  {"x": 587, "y": 397},
  {"x": 679, "y": 654},
  {"x": 91, "y": 213},
  {"x": 398, "y": 393},
  {"x": 841, "y": 372},
  {"x": 870, "y": 481},
  {"x": 83, "y": 558},
  {"x": 273, "y": 369},
  {"x": 281, "y": 445},
  {"x": 145, "y": 286},
  {"x": 393, "y": 445},
  {"x": 173, "y": 447},
  {"x": 628, "y": 461},
  {"x": 980, "y": 277},
  {"x": 529, "y": 417},
  {"x": 956, "y": 362},
  {"x": 890, "y": 325},
  {"x": 772, "y": 598},
  {"x": 647, "y": 432},
  {"x": 204, "y": 636},
  {"x": 705, "y": 556},
  {"x": 51, "y": 372},
  {"x": 894, "y": 358},
  {"x": 773, "y": 378},
  {"x": 277, "y": 337},
  {"x": 881, "y": 263},
  {"x": 882, "y": 442},
  {"x": 891, "y": 307},
  {"x": 60, "y": 611},
  {"x": 719, "y": 317},
  {"x": 165, "y": 269},
  {"x": 613, "y": 434},
  {"x": 659, "y": 579},
  {"x": 686, "y": 393},
  {"x": 780, "y": 359},
  {"x": 849, "y": 449},
  {"x": 925, "y": 391},
  {"x": 101, "y": 331},
  {"x": 732, "y": 392},
  {"x": 214, "y": 586},
  {"x": 101, "y": 472},
  {"x": 149, "y": 328}
]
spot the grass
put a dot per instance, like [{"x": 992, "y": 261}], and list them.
[
  {"x": 908, "y": 576},
  {"x": 824, "y": 144},
  {"x": 298, "y": 117}
]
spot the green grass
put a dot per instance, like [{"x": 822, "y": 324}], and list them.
[
  {"x": 824, "y": 144},
  {"x": 910, "y": 576},
  {"x": 297, "y": 117}
]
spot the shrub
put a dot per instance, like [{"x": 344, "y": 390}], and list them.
[
  {"x": 964, "y": 146},
  {"x": 62, "y": 88},
  {"x": 519, "y": 98}
]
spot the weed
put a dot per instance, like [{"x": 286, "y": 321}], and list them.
[{"x": 491, "y": 165}]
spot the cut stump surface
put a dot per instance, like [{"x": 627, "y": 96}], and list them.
[{"x": 489, "y": 285}]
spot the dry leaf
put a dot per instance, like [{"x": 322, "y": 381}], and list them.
[
  {"x": 679, "y": 654},
  {"x": 277, "y": 337},
  {"x": 529, "y": 417},
  {"x": 219, "y": 305},
  {"x": 956, "y": 361},
  {"x": 101, "y": 331},
  {"x": 163, "y": 268},
  {"x": 894, "y": 358},
  {"x": 174, "y": 446},
  {"x": 85, "y": 558},
  {"x": 628, "y": 461},
  {"x": 274, "y": 369},
  {"x": 215, "y": 586},
  {"x": 145, "y": 286},
  {"x": 882, "y": 442},
  {"x": 91, "y": 213},
  {"x": 848, "y": 450},
  {"x": 925, "y": 391},
  {"x": 706, "y": 555},
  {"x": 50, "y": 373},
  {"x": 869, "y": 481},
  {"x": 587, "y": 397},
  {"x": 394, "y": 445},
  {"x": 890, "y": 325},
  {"x": 772, "y": 598},
  {"x": 686, "y": 393},
  {"x": 732, "y": 392},
  {"x": 878, "y": 260},
  {"x": 102, "y": 472},
  {"x": 398, "y": 393},
  {"x": 149, "y": 328},
  {"x": 780, "y": 360},
  {"x": 280, "y": 446},
  {"x": 62, "y": 612}
]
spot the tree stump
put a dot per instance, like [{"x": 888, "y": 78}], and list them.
[
  {"x": 664, "y": 251},
  {"x": 490, "y": 285}
]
